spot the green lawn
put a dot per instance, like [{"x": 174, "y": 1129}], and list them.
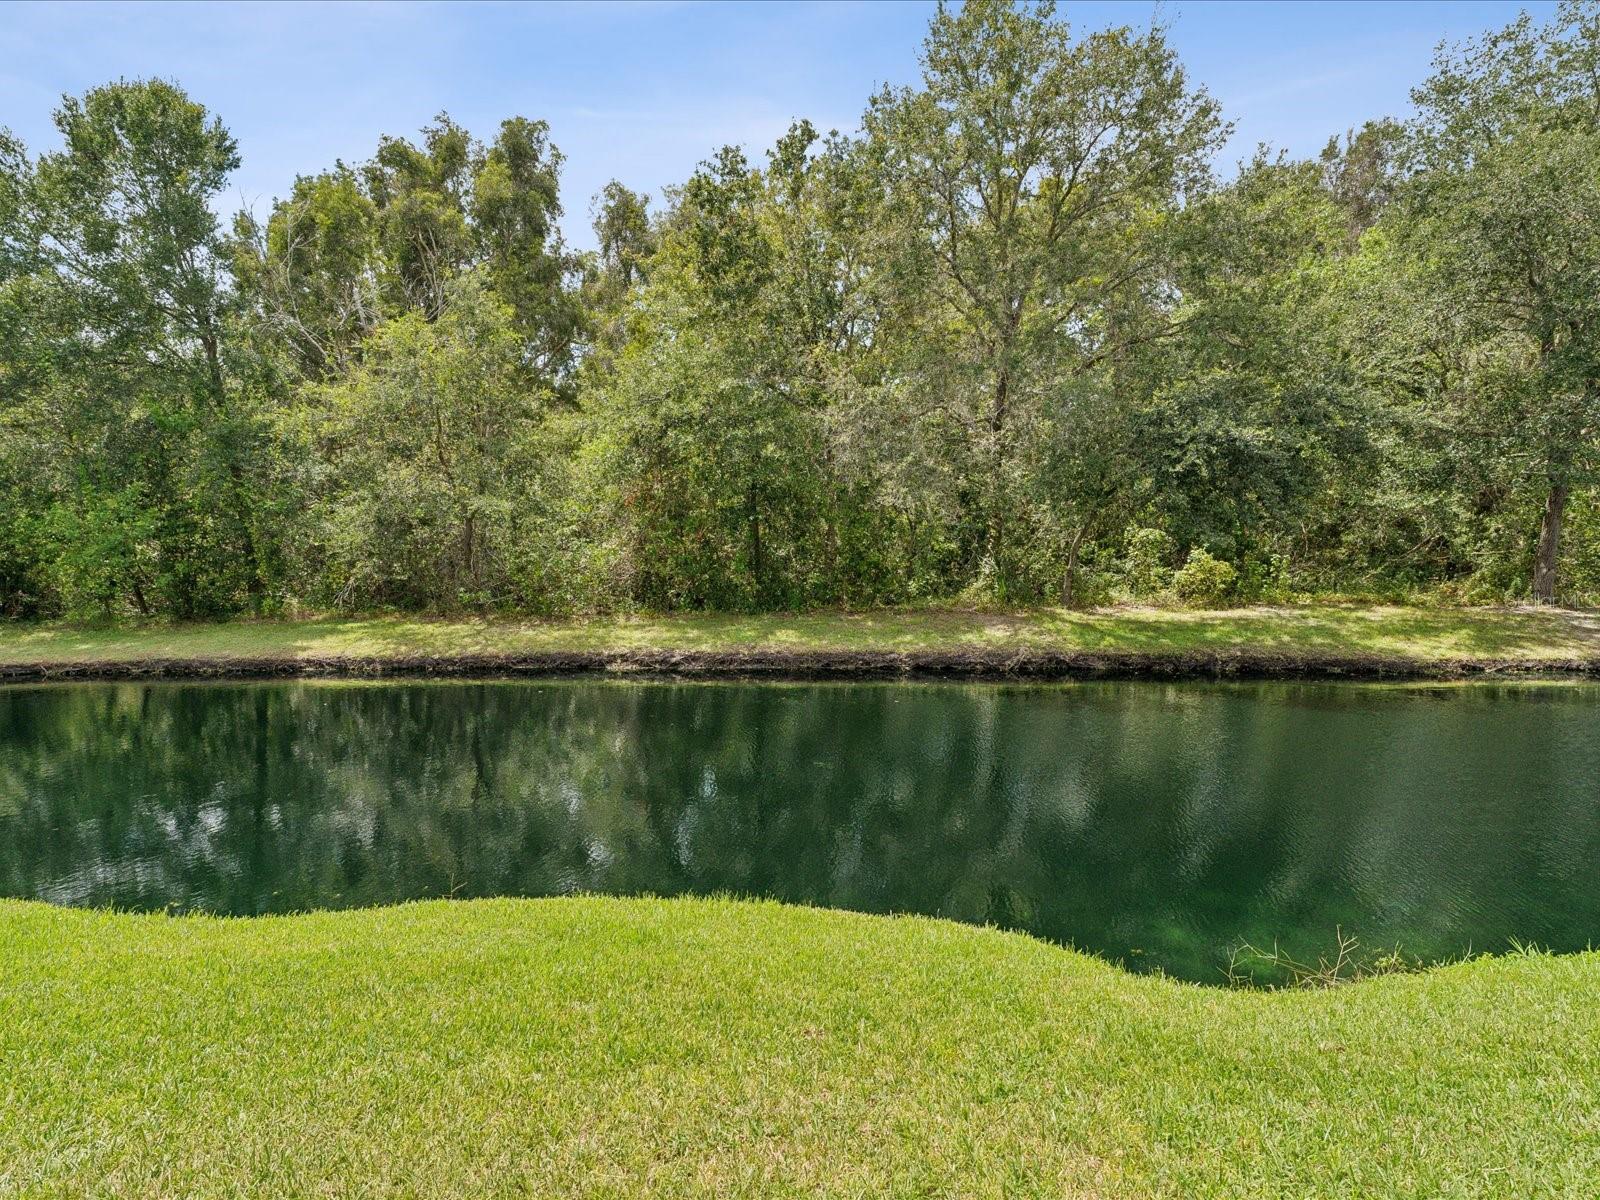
[
  {"x": 1425, "y": 634},
  {"x": 604, "y": 1047}
]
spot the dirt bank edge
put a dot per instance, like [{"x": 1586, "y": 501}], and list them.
[{"x": 1035, "y": 664}]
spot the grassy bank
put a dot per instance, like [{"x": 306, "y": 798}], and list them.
[
  {"x": 628, "y": 1048},
  {"x": 1326, "y": 632}
]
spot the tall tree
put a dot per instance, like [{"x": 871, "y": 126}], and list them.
[
  {"x": 426, "y": 442},
  {"x": 627, "y": 240},
  {"x": 1504, "y": 217},
  {"x": 350, "y": 248},
  {"x": 1029, "y": 182},
  {"x": 311, "y": 273},
  {"x": 718, "y": 421},
  {"x": 1252, "y": 414},
  {"x": 24, "y": 587},
  {"x": 147, "y": 440},
  {"x": 1363, "y": 175}
]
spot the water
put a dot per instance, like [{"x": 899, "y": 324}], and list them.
[{"x": 1160, "y": 825}]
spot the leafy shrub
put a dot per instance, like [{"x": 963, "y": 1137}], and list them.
[
  {"x": 1265, "y": 579},
  {"x": 1145, "y": 571},
  {"x": 1204, "y": 581},
  {"x": 1098, "y": 576}
]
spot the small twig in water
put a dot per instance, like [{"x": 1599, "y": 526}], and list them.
[{"x": 1345, "y": 965}]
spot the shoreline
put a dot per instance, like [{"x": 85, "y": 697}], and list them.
[
  {"x": 799, "y": 665},
  {"x": 1261, "y": 642}
]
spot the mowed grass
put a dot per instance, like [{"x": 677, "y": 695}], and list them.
[
  {"x": 1426, "y": 634},
  {"x": 607, "y": 1047}
]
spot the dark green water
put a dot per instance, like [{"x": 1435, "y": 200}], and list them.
[{"x": 1160, "y": 825}]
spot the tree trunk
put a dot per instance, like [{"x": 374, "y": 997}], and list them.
[
  {"x": 995, "y": 523},
  {"x": 469, "y": 549},
  {"x": 754, "y": 510},
  {"x": 256, "y": 584},
  {"x": 1069, "y": 584},
  {"x": 139, "y": 601},
  {"x": 1547, "y": 560}
]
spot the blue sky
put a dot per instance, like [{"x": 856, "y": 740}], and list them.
[{"x": 643, "y": 91}]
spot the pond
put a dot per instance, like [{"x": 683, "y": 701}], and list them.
[{"x": 1158, "y": 825}]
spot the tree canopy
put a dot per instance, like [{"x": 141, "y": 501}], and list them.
[{"x": 1017, "y": 338}]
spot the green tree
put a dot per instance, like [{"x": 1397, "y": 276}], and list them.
[
  {"x": 623, "y": 229},
  {"x": 627, "y": 241},
  {"x": 25, "y": 588},
  {"x": 1502, "y": 221},
  {"x": 452, "y": 203},
  {"x": 727, "y": 422},
  {"x": 311, "y": 272},
  {"x": 131, "y": 416},
  {"x": 1030, "y": 181},
  {"x": 1254, "y": 416},
  {"x": 350, "y": 248},
  {"x": 427, "y": 498},
  {"x": 712, "y": 454},
  {"x": 1364, "y": 174}
]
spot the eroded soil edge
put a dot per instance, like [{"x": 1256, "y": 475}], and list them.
[{"x": 1030, "y": 664}]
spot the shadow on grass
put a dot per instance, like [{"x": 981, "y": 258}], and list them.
[{"x": 1397, "y": 632}]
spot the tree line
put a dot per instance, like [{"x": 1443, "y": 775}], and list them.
[{"x": 1015, "y": 339}]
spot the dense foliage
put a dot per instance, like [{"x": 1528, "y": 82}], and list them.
[{"x": 1015, "y": 339}]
